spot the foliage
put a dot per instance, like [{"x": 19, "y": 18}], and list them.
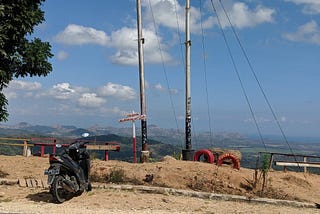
[
  {"x": 19, "y": 56},
  {"x": 10, "y": 150},
  {"x": 116, "y": 176},
  {"x": 263, "y": 169},
  {"x": 265, "y": 163},
  {"x": 95, "y": 177},
  {"x": 157, "y": 149},
  {"x": 177, "y": 155}
]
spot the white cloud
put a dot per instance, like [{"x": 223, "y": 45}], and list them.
[
  {"x": 62, "y": 55},
  {"x": 125, "y": 57},
  {"x": 64, "y": 100},
  {"x": 310, "y": 6},
  {"x": 283, "y": 119},
  {"x": 264, "y": 120},
  {"x": 86, "y": 97},
  {"x": 80, "y": 35},
  {"x": 10, "y": 94},
  {"x": 152, "y": 51},
  {"x": 259, "y": 120},
  {"x": 18, "y": 88},
  {"x": 174, "y": 91},
  {"x": 146, "y": 84},
  {"x": 90, "y": 100},
  {"x": 170, "y": 13},
  {"x": 125, "y": 38},
  {"x": 24, "y": 85},
  {"x": 117, "y": 91},
  {"x": 242, "y": 16},
  {"x": 63, "y": 91},
  {"x": 125, "y": 41},
  {"x": 167, "y": 13},
  {"x": 113, "y": 111},
  {"x": 159, "y": 87},
  {"x": 309, "y": 33}
]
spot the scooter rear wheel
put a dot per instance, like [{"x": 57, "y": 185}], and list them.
[{"x": 58, "y": 192}]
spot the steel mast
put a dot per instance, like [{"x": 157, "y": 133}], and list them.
[
  {"x": 187, "y": 153},
  {"x": 144, "y": 157}
]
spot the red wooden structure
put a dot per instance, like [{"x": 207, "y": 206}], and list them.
[{"x": 52, "y": 142}]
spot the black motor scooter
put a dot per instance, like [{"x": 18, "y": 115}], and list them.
[{"x": 68, "y": 174}]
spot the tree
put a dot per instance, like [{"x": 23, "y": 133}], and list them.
[{"x": 20, "y": 56}]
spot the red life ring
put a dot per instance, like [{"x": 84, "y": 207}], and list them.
[
  {"x": 233, "y": 158},
  {"x": 207, "y": 154}
]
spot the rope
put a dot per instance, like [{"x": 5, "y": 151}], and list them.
[
  {"x": 239, "y": 77},
  {"x": 178, "y": 32},
  {"x": 205, "y": 74},
  {"x": 164, "y": 68},
  {"x": 257, "y": 80},
  {"x": 181, "y": 48}
]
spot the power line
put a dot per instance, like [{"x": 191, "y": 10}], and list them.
[
  {"x": 205, "y": 73},
  {"x": 164, "y": 68},
  {"x": 257, "y": 80},
  {"x": 239, "y": 77}
]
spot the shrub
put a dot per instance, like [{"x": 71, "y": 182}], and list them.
[{"x": 116, "y": 176}]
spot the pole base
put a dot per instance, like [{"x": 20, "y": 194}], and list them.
[
  {"x": 144, "y": 157},
  {"x": 187, "y": 154}
]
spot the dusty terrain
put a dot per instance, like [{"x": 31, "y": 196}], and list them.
[{"x": 170, "y": 173}]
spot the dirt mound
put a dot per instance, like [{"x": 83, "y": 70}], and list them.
[
  {"x": 177, "y": 174},
  {"x": 297, "y": 181},
  {"x": 208, "y": 178}
]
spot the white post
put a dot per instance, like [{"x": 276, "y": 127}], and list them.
[
  {"x": 133, "y": 117},
  {"x": 134, "y": 142}
]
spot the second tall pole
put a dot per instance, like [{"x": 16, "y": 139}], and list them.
[{"x": 144, "y": 157}]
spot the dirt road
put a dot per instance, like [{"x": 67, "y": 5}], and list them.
[
  {"x": 14, "y": 199},
  {"x": 169, "y": 173}
]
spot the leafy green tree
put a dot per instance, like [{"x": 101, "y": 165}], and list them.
[{"x": 20, "y": 56}]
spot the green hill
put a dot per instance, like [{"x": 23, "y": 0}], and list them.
[{"x": 157, "y": 149}]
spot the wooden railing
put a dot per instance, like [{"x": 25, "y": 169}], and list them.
[
  {"x": 24, "y": 144},
  {"x": 304, "y": 161},
  {"x": 108, "y": 146},
  {"x": 51, "y": 143}
]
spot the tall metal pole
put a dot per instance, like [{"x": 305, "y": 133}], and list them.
[
  {"x": 144, "y": 152},
  {"x": 187, "y": 154}
]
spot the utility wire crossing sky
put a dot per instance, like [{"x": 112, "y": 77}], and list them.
[{"x": 95, "y": 78}]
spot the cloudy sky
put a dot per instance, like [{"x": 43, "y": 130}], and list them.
[{"x": 95, "y": 78}]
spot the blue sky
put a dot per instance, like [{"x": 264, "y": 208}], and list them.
[{"x": 95, "y": 79}]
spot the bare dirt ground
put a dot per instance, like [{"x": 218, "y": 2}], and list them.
[{"x": 169, "y": 173}]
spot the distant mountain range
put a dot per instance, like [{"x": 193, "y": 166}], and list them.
[
  {"x": 169, "y": 136},
  {"x": 163, "y": 141},
  {"x": 67, "y": 134}
]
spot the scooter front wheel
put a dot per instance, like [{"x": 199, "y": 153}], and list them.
[{"x": 58, "y": 192}]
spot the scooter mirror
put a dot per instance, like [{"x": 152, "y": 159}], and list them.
[
  {"x": 85, "y": 134},
  {"x": 58, "y": 145}
]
